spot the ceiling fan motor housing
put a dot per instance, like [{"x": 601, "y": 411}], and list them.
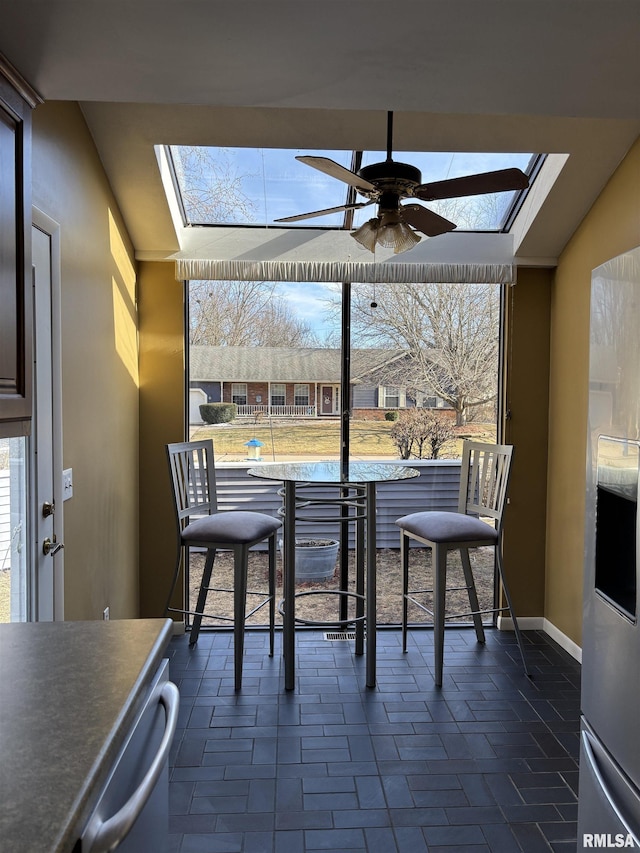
[{"x": 391, "y": 176}]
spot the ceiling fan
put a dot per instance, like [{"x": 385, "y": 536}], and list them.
[{"x": 387, "y": 183}]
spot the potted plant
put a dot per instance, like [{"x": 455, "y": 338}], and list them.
[{"x": 315, "y": 558}]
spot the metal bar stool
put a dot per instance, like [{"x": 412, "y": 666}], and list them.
[
  {"x": 484, "y": 478},
  {"x": 194, "y": 491}
]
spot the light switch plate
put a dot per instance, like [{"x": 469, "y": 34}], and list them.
[{"x": 67, "y": 484}]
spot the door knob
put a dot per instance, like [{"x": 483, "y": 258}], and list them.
[
  {"x": 48, "y": 508},
  {"x": 51, "y": 548}
]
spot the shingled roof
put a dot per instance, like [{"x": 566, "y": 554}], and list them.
[{"x": 283, "y": 364}]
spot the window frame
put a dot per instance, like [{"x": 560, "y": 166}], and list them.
[
  {"x": 234, "y": 395},
  {"x": 384, "y": 396},
  {"x": 283, "y": 395},
  {"x": 297, "y": 397}
]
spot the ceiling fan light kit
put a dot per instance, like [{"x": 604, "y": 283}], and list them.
[
  {"x": 367, "y": 234},
  {"x": 388, "y": 182},
  {"x": 386, "y": 230},
  {"x": 397, "y": 236}
]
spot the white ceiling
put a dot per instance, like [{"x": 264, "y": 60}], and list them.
[{"x": 515, "y": 75}]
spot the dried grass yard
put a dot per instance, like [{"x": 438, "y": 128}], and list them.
[
  {"x": 318, "y": 438},
  {"x": 319, "y": 608}
]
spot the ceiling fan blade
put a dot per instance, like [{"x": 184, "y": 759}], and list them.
[
  {"x": 486, "y": 182},
  {"x": 325, "y": 212},
  {"x": 335, "y": 170},
  {"x": 425, "y": 220}
]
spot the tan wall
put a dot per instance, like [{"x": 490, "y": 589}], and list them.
[
  {"x": 99, "y": 366},
  {"x": 162, "y": 420},
  {"x": 527, "y": 404},
  {"x": 611, "y": 227}
]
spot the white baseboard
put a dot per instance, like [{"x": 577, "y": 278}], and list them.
[
  {"x": 539, "y": 623},
  {"x": 562, "y": 640},
  {"x": 525, "y": 623},
  {"x": 179, "y": 628}
]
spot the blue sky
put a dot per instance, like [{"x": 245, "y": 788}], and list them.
[{"x": 308, "y": 302}]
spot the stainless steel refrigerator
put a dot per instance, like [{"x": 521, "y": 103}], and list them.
[{"x": 609, "y": 794}]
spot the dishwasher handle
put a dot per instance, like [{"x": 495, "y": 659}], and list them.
[{"x": 103, "y": 836}]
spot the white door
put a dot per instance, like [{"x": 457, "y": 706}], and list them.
[{"x": 46, "y": 443}]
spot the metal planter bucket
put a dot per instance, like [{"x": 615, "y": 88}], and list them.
[{"x": 315, "y": 559}]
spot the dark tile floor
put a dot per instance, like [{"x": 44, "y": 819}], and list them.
[{"x": 487, "y": 763}]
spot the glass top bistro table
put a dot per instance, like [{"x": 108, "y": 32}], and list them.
[{"x": 356, "y": 487}]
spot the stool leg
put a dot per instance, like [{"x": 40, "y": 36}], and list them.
[
  {"x": 513, "y": 615},
  {"x": 202, "y": 596},
  {"x": 404, "y": 559},
  {"x": 272, "y": 593},
  {"x": 439, "y": 586},
  {"x": 289, "y": 586},
  {"x": 240, "y": 568},
  {"x": 360, "y": 585},
  {"x": 176, "y": 575},
  {"x": 473, "y": 596}
]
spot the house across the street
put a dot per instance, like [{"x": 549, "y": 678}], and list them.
[{"x": 297, "y": 382}]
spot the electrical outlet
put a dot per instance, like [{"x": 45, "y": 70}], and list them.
[
  {"x": 67, "y": 484},
  {"x": 106, "y": 614}
]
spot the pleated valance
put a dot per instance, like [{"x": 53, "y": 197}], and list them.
[{"x": 324, "y": 271}]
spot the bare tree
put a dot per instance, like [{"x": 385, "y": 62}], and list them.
[
  {"x": 243, "y": 313},
  {"x": 211, "y": 187},
  {"x": 450, "y": 332},
  {"x": 474, "y": 213}
]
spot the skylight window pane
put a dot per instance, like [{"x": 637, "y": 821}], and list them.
[{"x": 255, "y": 186}]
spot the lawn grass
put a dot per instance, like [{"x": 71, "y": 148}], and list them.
[
  {"x": 315, "y": 438},
  {"x": 310, "y": 438}
]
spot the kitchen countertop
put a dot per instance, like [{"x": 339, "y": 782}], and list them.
[{"x": 68, "y": 693}]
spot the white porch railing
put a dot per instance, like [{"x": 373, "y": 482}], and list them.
[{"x": 276, "y": 411}]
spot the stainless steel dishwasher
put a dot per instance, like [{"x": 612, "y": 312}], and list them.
[{"x": 132, "y": 812}]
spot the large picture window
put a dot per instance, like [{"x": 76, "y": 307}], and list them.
[{"x": 423, "y": 374}]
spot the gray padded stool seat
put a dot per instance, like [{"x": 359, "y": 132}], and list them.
[
  {"x": 194, "y": 490},
  {"x": 447, "y": 527},
  {"x": 484, "y": 478}
]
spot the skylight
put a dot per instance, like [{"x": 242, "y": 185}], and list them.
[{"x": 256, "y": 186}]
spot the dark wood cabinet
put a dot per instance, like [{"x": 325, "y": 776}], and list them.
[{"x": 16, "y": 303}]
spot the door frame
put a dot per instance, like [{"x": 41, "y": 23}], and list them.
[{"x": 51, "y": 228}]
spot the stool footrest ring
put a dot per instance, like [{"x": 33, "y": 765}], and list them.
[{"x": 341, "y": 623}]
